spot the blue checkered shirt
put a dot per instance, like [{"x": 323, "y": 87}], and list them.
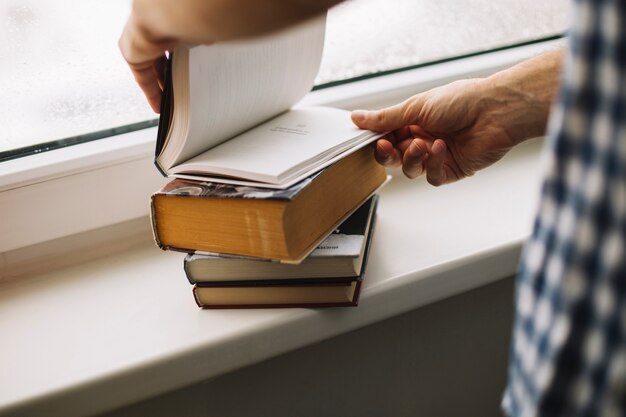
[{"x": 568, "y": 354}]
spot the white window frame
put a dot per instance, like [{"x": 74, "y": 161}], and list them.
[{"x": 103, "y": 183}]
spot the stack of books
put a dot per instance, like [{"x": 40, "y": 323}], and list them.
[
  {"x": 330, "y": 275},
  {"x": 273, "y": 205}
]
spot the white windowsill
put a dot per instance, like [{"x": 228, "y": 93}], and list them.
[
  {"x": 91, "y": 337},
  {"x": 96, "y": 336}
]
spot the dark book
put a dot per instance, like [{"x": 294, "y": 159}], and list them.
[
  {"x": 328, "y": 294},
  {"x": 283, "y": 225},
  {"x": 304, "y": 285},
  {"x": 340, "y": 255}
]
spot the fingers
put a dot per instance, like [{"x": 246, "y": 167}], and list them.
[
  {"x": 148, "y": 80},
  {"x": 145, "y": 56},
  {"x": 390, "y": 118},
  {"x": 435, "y": 171},
  {"x": 421, "y": 157},
  {"x": 386, "y": 154},
  {"x": 415, "y": 155},
  {"x": 159, "y": 70}
]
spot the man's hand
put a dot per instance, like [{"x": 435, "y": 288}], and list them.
[
  {"x": 443, "y": 133},
  {"x": 145, "y": 54},
  {"x": 451, "y": 132},
  {"x": 157, "y": 26}
]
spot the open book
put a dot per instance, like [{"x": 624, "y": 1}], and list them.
[{"x": 228, "y": 112}]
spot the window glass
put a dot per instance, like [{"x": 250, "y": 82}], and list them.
[
  {"x": 370, "y": 36},
  {"x": 62, "y": 75},
  {"x": 63, "y": 79}
]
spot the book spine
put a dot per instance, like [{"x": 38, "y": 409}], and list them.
[
  {"x": 352, "y": 303},
  {"x": 155, "y": 232},
  {"x": 259, "y": 306},
  {"x": 276, "y": 282},
  {"x": 165, "y": 113},
  {"x": 186, "y": 262}
]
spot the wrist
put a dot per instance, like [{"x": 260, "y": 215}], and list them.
[
  {"x": 512, "y": 110},
  {"x": 519, "y": 98}
]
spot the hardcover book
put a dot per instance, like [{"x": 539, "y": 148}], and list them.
[
  {"x": 328, "y": 294},
  {"x": 229, "y": 112},
  {"x": 340, "y": 255},
  {"x": 306, "y": 285},
  {"x": 283, "y": 225}
]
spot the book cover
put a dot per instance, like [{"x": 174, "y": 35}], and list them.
[
  {"x": 198, "y": 189},
  {"x": 339, "y": 257},
  {"x": 283, "y": 225}
]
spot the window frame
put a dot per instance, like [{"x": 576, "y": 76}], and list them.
[{"x": 103, "y": 183}]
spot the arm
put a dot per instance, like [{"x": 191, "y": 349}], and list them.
[
  {"x": 156, "y": 26},
  {"x": 452, "y": 131},
  {"x": 520, "y": 98}
]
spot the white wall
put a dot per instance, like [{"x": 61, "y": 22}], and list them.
[{"x": 446, "y": 359}]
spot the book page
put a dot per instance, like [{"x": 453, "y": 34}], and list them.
[
  {"x": 237, "y": 85},
  {"x": 290, "y": 146}
]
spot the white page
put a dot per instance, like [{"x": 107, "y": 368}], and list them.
[
  {"x": 306, "y": 138},
  {"x": 237, "y": 85}
]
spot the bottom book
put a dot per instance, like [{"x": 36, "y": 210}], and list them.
[
  {"x": 327, "y": 294},
  {"x": 251, "y": 283}
]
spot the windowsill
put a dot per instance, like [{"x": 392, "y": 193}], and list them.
[{"x": 92, "y": 337}]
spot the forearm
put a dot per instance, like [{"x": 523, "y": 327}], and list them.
[
  {"x": 207, "y": 21},
  {"x": 520, "y": 97}
]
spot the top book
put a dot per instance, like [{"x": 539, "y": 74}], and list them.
[{"x": 229, "y": 112}]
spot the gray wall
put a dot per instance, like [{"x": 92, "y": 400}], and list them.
[{"x": 446, "y": 359}]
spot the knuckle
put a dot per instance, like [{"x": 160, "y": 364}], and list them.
[
  {"x": 406, "y": 110},
  {"x": 410, "y": 110},
  {"x": 382, "y": 116}
]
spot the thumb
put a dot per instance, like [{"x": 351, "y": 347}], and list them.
[{"x": 390, "y": 118}]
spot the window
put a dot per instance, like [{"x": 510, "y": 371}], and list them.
[
  {"x": 64, "y": 82},
  {"x": 68, "y": 82},
  {"x": 366, "y": 37}
]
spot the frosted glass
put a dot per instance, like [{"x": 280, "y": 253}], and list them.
[
  {"x": 61, "y": 74},
  {"x": 368, "y": 36}
]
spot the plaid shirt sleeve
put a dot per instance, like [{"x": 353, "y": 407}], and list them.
[{"x": 568, "y": 354}]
